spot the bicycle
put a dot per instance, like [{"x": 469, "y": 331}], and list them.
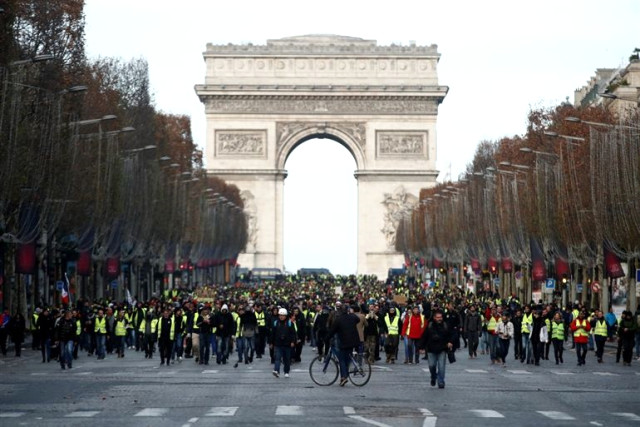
[{"x": 325, "y": 371}]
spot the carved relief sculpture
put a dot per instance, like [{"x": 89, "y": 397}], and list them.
[
  {"x": 356, "y": 130},
  {"x": 251, "y": 212},
  {"x": 401, "y": 144},
  {"x": 397, "y": 204},
  {"x": 241, "y": 143}
]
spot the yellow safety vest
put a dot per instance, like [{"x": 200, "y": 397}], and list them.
[
  {"x": 129, "y": 318},
  {"x": 601, "y": 328},
  {"x": 581, "y": 332},
  {"x": 527, "y": 321},
  {"x": 173, "y": 327},
  {"x": 492, "y": 325},
  {"x": 154, "y": 325},
  {"x": 421, "y": 323},
  {"x": 261, "y": 319},
  {"x": 101, "y": 325},
  {"x": 121, "y": 328},
  {"x": 557, "y": 331},
  {"x": 34, "y": 321},
  {"x": 238, "y": 326},
  {"x": 78, "y": 327},
  {"x": 195, "y": 327},
  {"x": 392, "y": 328}
]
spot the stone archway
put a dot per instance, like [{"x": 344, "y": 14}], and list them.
[{"x": 380, "y": 102}]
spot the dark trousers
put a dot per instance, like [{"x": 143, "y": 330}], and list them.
[
  {"x": 517, "y": 345},
  {"x": 581, "y": 352},
  {"x": 504, "y": 349},
  {"x": 261, "y": 340},
  {"x": 473, "y": 339},
  {"x": 627, "y": 349},
  {"x": 600, "y": 340},
  {"x": 537, "y": 350},
  {"x": 165, "y": 345},
  {"x": 558, "y": 349},
  {"x": 298, "y": 351}
]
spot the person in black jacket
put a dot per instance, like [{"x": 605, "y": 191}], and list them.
[
  {"x": 438, "y": 341},
  {"x": 320, "y": 331},
  {"x": 283, "y": 341},
  {"x": 16, "y": 328},
  {"x": 65, "y": 334},
  {"x": 225, "y": 328},
  {"x": 345, "y": 327},
  {"x": 45, "y": 329}
]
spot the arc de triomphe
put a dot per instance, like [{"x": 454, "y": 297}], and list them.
[{"x": 380, "y": 102}]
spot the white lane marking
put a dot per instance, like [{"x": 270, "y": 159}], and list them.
[
  {"x": 212, "y": 371},
  {"x": 152, "y": 412},
  {"x": 382, "y": 368},
  {"x": 430, "y": 422},
  {"x": 39, "y": 374},
  {"x": 426, "y": 370},
  {"x": 289, "y": 410},
  {"x": 194, "y": 420},
  {"x": 221, "y": 411},
  {"x": 477, "y": 371},
  {"x": 11, "y": 414},
  {"x": 606, "y": 374},
  {"x": 82, "y": 373},
  {"x": 629, "y": 415},
  {"x": 82, "y": 414},
  {"x": 595, "y": 423},
  {"x": 349, "y": 410},
  {"x": 368, "y": 421},
  {"x": 520, "y": 372},
  {"x": 486, "y": 413},
  {"x": 299, "y": 370},
  {"x": 563, "y": 373},
  {"x": 556, "y": 415},
  {"x": 426, "y": 412}
]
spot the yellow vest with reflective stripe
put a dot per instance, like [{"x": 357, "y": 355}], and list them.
[
  {"x": 121, "y": 329},
  {"x": 421, "y": 323},
  {"x": 195, "y": 327},
  {"x": 173, "y": 327},
  {"x": 238, "y": 326},
  {"x": 527, "y": 321},
  {"x": 34, "y": 321},
  {"x": 557, "y": 331},
  {"x": 392, "y": 328},
  {"x": 493, "y": 324},
  {"x": 78, "y": 327},
  {"x": 601, "y": 328},
  {"x": 143, "y": 325},
  {"x": 581, "y": 332},
  {"x": 101, "y": 325},
  {"x": 261, "y": 319}
]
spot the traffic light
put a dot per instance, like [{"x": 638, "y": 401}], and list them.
[{"x": 564, "y": 279}]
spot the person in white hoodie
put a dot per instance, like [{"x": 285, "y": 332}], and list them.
[{"x": 504, "y": 330}]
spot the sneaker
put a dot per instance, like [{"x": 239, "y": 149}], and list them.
[
  {"x": 286, "y": 375},
  {"x": 343, "y": 381},
  {"x": 276, "y": 374},
  {"x": 433, "y": 382},
  {"x": 441, "y": 385}
]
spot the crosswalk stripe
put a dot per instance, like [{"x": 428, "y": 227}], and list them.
[
  {"x": 289, "y": 410},
  {"x": 476, "y": 371},
  {"x": 563, "y": 373},
  {"x": 486, "y": 413},
  {"x": 210, "y": 371},
  {"x": 11, "y": 414},
  {"x": 82, "y": 414},
  {"x": 606, "y": 374},
  {"x": 629, "y": 415},
  {"x": 556, "y": 415},
  {"x": 82, "y": 373},
  {"x": 349, "y": 410},
  {"x": 425, "y": 412},
  {"x": 520, "y": 372},
  {"x": 222, "y": 411},
  {"x": 152, "y": 412}
]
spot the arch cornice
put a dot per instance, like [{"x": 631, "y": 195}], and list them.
[{"x": 352, "y": 135}]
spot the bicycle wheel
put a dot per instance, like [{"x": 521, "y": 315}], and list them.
[
  {"x": 359, "y": 370},
  {"x": 325, "y": 371}
]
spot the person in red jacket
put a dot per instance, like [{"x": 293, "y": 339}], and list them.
[
  {"x": 412, "y": 328},
  {"x": 580, "y": 328}
]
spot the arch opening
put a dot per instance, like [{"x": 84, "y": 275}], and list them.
[{"x": 320, "y": 206}]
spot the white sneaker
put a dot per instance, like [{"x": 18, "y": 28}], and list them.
[
  {"x": 276, "y": 374},
  {"x": 286, "y": 375}
]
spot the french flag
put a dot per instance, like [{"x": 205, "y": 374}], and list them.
[{"x": 65, "y": 290}]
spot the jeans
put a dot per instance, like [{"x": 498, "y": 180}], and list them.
[
  {"x": 240, "y": 345},
  {"x": 177, "y": 347},
  {"x": 526, "y": 353},
  {"x": 484, "y": 342},
  {"x": 414, "y": 351},
  {"x": 558, "y": 349},
  {"x": 408, "y": 353},
  {"x": 223, "y": 349},
  {"x": 284, "y": 353},
  {"x": 66, "y": 353},
  {"x": 344, "y": 357},
  {"x": 46, "y": 349},
  {"x": 249, "y": 348},
  {"x": 119, "y": 347},
  {"x": 205, "y": 347},
  {"x": 493, "y": 346},
  {"x": 637, "y": 344},
  {"x": 437, "y": 363},
  {"x": 581, "y": 352},
  {"x": 101, "y": 346}
]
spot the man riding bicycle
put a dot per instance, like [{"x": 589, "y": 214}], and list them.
[{"x": 345, "y": 326}]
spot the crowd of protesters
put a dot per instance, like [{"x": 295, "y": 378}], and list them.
[{"x": 236, "y": 324}]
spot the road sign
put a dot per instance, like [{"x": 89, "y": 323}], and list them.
[
  {"x": 579, "y": 287},
  {"x": 595, "y": 287},
  {"x": 114, "y": 284},
  {"x": 496, "y": 281},
  {"x": 550, "y": 284},
  {"x": 59, "y": 285},
  {"x": 518, "y": 275},
  {"x": 638, "y": 275}
]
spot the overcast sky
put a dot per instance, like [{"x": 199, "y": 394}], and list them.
[{"x": 499, "y": 59}]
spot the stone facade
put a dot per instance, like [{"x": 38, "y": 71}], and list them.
[{"x": 380, "y": 102}]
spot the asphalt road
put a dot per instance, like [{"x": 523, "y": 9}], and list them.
[{"x": 135, "y": 391}]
